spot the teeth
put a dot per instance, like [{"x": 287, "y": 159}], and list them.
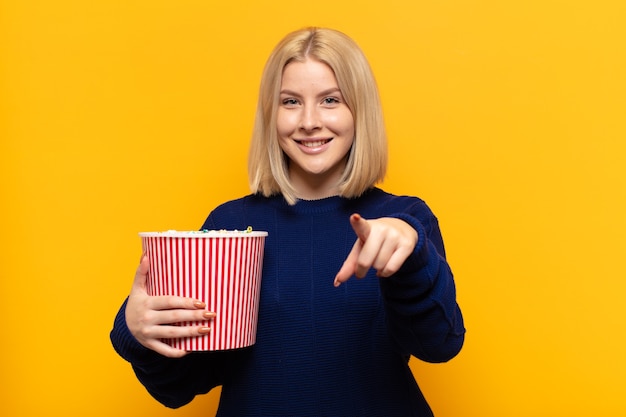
[{"x": 313, "y": 144}]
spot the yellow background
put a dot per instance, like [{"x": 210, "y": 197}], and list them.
[{"x": 507, "y": 117}]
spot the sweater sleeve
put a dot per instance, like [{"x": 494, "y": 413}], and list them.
[
  {"x": 173, "y": 382},
  {"x": 420, "y": 299}
]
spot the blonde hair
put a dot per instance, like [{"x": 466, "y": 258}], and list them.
[{"x": 367, "y": 162}]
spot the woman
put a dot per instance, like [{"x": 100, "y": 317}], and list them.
[{"x": 326, "y": 345}]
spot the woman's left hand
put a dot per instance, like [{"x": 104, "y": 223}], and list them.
[{"x": 382, "y": 244}]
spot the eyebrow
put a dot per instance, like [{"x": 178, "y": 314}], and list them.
[{"x": 323, "y": 93}]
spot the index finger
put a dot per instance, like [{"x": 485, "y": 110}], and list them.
[{"x": 349, "y": 265}]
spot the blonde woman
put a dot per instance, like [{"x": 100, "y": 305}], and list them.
[{"x": 327, "y": 345}]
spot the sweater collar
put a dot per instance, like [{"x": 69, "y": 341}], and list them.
[{"x": 322, "y": 205}]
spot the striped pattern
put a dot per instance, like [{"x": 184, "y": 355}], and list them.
[{"x": 224, "y": 272}]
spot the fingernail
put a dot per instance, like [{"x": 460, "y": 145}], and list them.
[
  {"x": 199, "y": 304},
  {"x": 208, "y": 315},
  {"x": 336, "y": 283},
  {"x": 204, "y": 330}
]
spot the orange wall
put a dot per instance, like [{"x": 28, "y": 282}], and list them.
[{"x": 506, "y": 117}]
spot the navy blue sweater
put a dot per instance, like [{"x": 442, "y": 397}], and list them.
[{"x": 321, "y": 350}]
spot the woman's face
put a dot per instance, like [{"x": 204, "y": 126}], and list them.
[{"x": 315, "y": 128}]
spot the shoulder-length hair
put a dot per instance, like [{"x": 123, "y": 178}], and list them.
[{"x": 367, "y": 162}]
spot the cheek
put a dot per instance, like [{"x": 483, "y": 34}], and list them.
[
  {"x": 285, "y": 123},
  {"x": 342, "y": 124}
]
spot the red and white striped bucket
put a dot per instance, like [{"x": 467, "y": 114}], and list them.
[{"x": 221, "y": 268}]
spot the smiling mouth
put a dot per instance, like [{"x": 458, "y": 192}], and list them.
[{"x": 313, "y": 143}]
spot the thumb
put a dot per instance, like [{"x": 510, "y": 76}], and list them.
[
  {"x": 141, "y": 276},
  {"x": 361, "y": 226}
]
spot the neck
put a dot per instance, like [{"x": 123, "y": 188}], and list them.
[{"x": 314, "y": 187}]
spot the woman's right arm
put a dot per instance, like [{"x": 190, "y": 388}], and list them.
[{"x": 172, "y": 376}]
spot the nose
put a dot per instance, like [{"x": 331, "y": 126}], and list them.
[{"x": 309, "y": 119}]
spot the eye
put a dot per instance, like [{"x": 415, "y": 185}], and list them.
[
  {"x": 289, "y": 102},
  {"x": 331, "y": 100}
]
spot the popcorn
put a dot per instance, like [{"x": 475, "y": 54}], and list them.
[{"x": 181, "y": 233}]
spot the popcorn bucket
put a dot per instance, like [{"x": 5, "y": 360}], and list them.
[{"x": 221, "y": 268}]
